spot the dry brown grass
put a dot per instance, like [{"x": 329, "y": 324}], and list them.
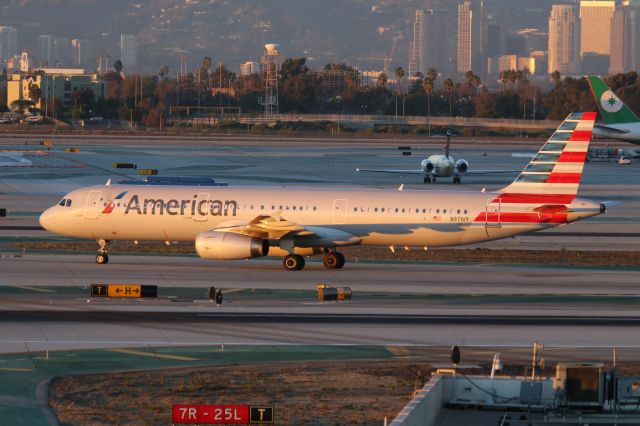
[{"x": 319, "y": 393}]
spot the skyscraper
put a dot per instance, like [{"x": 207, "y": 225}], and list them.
[
  {"x": 416, "y": 46},
  {"x": 8, "y": 43},
  {"x": 619, "y": 51},
  {"x": 128, "y": 50},
  {"x": 595, "y": 24},
  {"x": 470, "y": 37},
  {"x": 81, "y": 52},
  {"x": 439, "y": 37},
  {"x": 564, "y": 40},
  {"x": 45, "y": 50}
]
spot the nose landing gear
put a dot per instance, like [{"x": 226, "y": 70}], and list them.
[{"x": 102, "y": 257}]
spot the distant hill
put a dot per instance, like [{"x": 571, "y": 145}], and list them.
[{"x": 232, "y": 31}]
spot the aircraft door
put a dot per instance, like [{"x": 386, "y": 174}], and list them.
[
  {"x": 492, "y": 213},
  {"x": 340, "y": 211},
  {"x": 92, "y": 206}
]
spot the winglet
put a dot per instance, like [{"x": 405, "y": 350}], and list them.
[
  {"x": 108, "y": 182},
  {"x": 401, "y": 188}
]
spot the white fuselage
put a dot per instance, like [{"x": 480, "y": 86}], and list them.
[
  {"x": 375, "y": 217},
  {"x": 629, "y": 132}
]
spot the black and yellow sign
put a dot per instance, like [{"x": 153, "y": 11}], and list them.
[
  {"x": 135, "y": 291},
  {"x": 260, "y": 415},
  {"x": 47, "y": 142},
  {"x": 72, "y": 150},
  {"x": 148, "y": 171}
]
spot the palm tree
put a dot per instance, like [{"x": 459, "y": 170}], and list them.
[
  {"x": 427, "y": 85},
  {"x": 382, "y": 79},
  {"x": 448, "y": 89},
  {"x": 399, "y": 74}
]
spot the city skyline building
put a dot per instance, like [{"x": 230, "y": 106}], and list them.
[
  {"x": 471, "y": 38},
  {"x": 595, "y": 24},
  {"x": 564, "y": 40},
  {"x": 8, "y": 43},
  {"x": 439, "y": 40},
  {"x": 417, "y": 45},
  {"x": 128, "y": 50},
  {"x": 82, "y": 52},
  {"x": 45, "y": 50}
]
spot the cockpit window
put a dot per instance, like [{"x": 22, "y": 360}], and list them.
[
  {"x": 68, "y": 204},
  {"x": 62, "y": 202}
]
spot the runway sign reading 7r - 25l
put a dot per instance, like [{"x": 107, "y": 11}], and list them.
[{"x": 221, "y": 414}]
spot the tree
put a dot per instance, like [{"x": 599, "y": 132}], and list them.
[
  {"x": 19, "y": 105},
  {"x": 448, "y": 89},
  {"x": 382, "y": 79},
  {"x": 399, "y": 74},
  {"x": 117, "y": 65},
  {"x": 428, "y": 85},
  {"x": 164, "y": 72}
]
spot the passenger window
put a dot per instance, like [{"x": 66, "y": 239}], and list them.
[
  {"x": 355, "y": 209},
  {"x": 438, "y": 211},
  {"x": 383, "y": 210},
  {"x": 424, "y": 210},
  {"x": 262, "y": 207},
  {"x": 396, "y": 210},
  {"x": 314, "y": 208},
  {"x": 402, "y": 210},
  {"x": 375, "y": 210},
  {"x": 444, "y": 211},
  {"x": 458, "y": 211},
  {"x": 417, "y": 210},
  {"x": 465, "y": 212},
  {"x": 294, "y": 207}
]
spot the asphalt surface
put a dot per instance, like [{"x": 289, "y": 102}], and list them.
[{"x": 48, "y": 321}]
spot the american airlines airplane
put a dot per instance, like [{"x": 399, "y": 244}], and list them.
[
  {"x": 228, "y": 223},
  {"x": 439, "y": 166}
]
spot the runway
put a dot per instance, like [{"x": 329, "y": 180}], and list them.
[
  {"x": 395, "y": 303},
  {"x": 390, "y": 277}
]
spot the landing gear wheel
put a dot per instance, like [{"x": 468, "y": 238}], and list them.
[
  {"x": 333, "y": 260},
  {"x": 456, "y": 179},
  {"x": 434, "y": 179},
  {"x": 102, "y": 259},
  {"x": 427, "y": 179},
  {"x": 293, "y": 262}
]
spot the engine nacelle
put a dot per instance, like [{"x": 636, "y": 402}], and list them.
[
  {"x": 229, "y": 246},
  {"x": 462, "y": 166},
  {"x": 427, "y": 165}
]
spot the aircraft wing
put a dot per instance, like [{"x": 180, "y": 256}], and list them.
[
  {"x": 489, "y": 172},
  {"x": 611, "y": 129},
  {"x": 274, "y": 227},
  {"x": 404, "y": 172}
]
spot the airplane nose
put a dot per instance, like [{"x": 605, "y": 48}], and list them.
[{"x": 47, "y": 219}]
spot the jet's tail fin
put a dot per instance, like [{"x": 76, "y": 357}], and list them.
[
  {"x": 553, "y": 175},
  {"x": 612, "y": 109}
]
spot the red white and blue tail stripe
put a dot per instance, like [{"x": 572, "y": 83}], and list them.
[{"x": 553, "y": 175}]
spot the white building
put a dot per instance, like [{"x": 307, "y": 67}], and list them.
[{"x": 81, "y": 52}]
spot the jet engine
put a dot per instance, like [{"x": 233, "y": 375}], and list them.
[
  {"x": 427, "y": 165},
  {"x": 462, "y": 166},
  {"x": 229, "y": 246}
]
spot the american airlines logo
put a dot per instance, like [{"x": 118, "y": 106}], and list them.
[
  {"x": 173, "y": 207},
  {"x": 112, "y": 203}
]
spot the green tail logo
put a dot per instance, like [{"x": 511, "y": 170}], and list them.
[{"x": 612, "y": 109}]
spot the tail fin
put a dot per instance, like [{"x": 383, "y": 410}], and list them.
[
  {"x": 612, "y": 109},
  {"x": 448, "y": 144},
  {"x": 553, "y": 175}
]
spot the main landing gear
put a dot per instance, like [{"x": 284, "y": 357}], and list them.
[
  {"x": 296, "y": 262},
  {"x": 429, "y": 179},
  {"x": 457, "y": 179},
  {"x": 333, "y": 260},
  {"x": 102, "y": 257},
  {"x": 293, "y": 262}
]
